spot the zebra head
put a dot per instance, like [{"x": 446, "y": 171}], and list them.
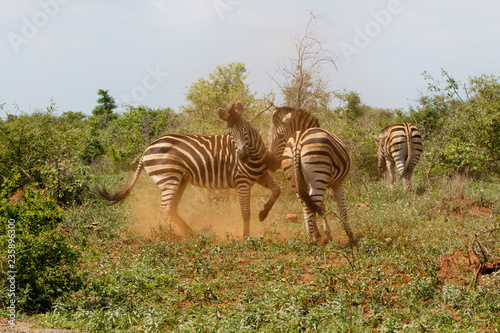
[
  {"x": 279, "y": 132},
  {"x": 286, "y": 121},
  {"x": 238, "y": 130}
]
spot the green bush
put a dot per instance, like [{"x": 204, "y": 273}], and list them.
[
  {"x": 42, "y": 150},
  {"x": 354, "y": 123},
  {"x": 44, "y": 261},
  {"x": 461, "y": 125},
  {"x": 126, "y": 137},
  {"x": 66, "y": 183}
]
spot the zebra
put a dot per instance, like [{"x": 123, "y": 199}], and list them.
[
  {"x": 313, "y": 160},
  {"x": 399, "y": 145},
  {"x": 236, "y": 160}
]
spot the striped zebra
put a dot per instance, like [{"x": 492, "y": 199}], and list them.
[
  {"x": 237, "y": 160},
  {"x": 399, "y": 145},
  {"x": 313, "y": 160}
]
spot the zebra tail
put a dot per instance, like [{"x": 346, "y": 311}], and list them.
[
  {"x": 124, "y": 192},
  {"x": 302, "y": 187},
  {"x": 409, "y": 149}
]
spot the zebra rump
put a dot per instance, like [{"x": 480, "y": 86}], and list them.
[
  {"x": 330, "y": 159},
  {"x": 313, "y": 160},
  {"x": 399, "y": 144}
]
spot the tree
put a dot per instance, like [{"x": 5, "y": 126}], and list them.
[
  {"x": 106, "y": 105},
  {"x": 305, "y": 83},
  {"x": 461, "y": 123},
  {"x": 483, "y": 114},
  {"x": 353, "y": 107},
  {"x": 102, "y": 115},
  {"x": 353, "y": 122},
  {"x": 223, "y": 87}
]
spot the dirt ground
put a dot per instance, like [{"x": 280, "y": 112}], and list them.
[{"x": 23, "y": 326}]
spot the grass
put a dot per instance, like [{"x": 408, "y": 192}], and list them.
[{"x": 409, "y": 271}]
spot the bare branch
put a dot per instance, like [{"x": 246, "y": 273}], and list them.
[
  {"x": 304, "y": 82},
  {"x": 261, "y": 112}
]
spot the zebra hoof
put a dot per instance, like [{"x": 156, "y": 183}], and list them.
[
  {"x": 323, "y": 241},
  {"x": 263, "y": 215}
]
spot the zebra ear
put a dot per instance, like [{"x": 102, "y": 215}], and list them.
[
  {"x": 223, "y": 114},
  {"x": 239, "y": 109},
  {"x": 286, "y": 119},
  {"x": 376, "y": 137}
]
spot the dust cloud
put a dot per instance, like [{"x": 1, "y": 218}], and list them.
[{"x": 218, "y": 214}]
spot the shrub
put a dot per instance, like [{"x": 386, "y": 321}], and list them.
[
  {"x": 44, "y": 260},
  {"x": 42, "y": 150},
  {"x": 461, "y": 125}
]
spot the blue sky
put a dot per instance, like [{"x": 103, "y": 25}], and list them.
[{"x": 150, "y": 52}]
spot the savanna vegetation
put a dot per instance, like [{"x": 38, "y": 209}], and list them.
[{"x": 425, "y": 260}]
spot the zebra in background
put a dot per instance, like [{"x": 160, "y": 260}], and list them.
[
  {"x": 237, "y": 160},
  {"x": 313, "y": 160},
  {"x": 399, "y": 145}
]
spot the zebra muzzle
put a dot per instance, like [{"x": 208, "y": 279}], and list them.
[{"x": 243, "y": 155}]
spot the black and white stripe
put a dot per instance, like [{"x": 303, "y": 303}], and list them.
[
  {"x": 237, "y": 160},
  {"x": 399, "y": 145},
  {"x": 284, "y": 125},
  {"x": 313, "y": 160}
]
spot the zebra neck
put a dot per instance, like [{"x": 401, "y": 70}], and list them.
[{"x": 257, "y": 149}]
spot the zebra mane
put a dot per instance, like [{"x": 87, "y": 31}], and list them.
[{"x": 297, "y": 116}]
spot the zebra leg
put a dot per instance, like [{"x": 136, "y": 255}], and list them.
[
  {"x": 244, "y": 198},
  {"x": 171, "y": 196},
  {"x": 310, "y": 221},
  {"x": 326, "y": 227},
  {"x": 407, "y": 179},
  {"x": 339, "y": 197},
  {"x": 268, "y": 182},
  {"x": 392, "y": 173}
]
